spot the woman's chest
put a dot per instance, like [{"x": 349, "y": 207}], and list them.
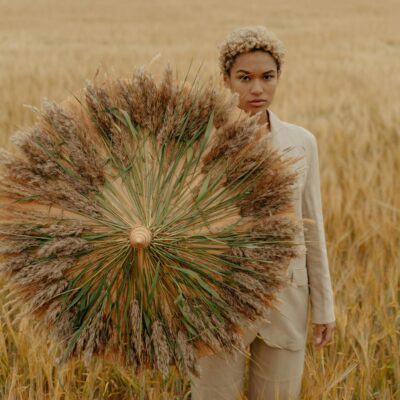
[{"x": 291, "y": 148}]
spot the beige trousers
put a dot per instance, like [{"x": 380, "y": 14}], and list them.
[{"x": 274, "y": 373}]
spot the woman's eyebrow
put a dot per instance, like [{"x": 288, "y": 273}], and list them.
[
  {"x": 247, "y": 72},
  {"x": 242, "y": 70}
]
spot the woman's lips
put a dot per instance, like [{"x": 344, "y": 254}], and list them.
[{"x": 257, "y": 102}]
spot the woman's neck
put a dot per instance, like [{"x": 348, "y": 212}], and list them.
[{"x": 265, "y": 119}]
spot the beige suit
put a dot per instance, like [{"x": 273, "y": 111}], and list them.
[
  {"x": 277, "y": 347},
  {"x": 288, "y": 323}
]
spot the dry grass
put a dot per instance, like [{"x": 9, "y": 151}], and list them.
[{"x": 341, "y": 81}]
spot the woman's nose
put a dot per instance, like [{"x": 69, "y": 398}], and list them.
[{"x": 256, "y": 88}]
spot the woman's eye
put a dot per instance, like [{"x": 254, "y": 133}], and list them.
[
  {"x": 244, "y": 78},
  {"x": 268, "y": 77}
]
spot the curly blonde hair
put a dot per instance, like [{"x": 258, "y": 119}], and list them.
[{"x": 246, "y": 39}]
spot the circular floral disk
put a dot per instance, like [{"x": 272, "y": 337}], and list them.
[{"x": 146, "y": 221}]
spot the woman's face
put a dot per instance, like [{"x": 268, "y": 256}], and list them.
[{"x": 254, "y": 76}]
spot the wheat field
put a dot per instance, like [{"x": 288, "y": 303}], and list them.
[{"x": 341, "y": 80}]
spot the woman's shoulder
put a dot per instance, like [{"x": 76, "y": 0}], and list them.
[
  {"x": 299, "y": 136},
  {"x": 300, "y": 132},
  {"x": 295, "y": 133}
]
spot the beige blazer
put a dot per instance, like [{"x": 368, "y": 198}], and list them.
[{"x": 308, "y": 274}]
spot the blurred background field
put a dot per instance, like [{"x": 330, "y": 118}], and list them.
[{"x": 341, "y": 80}]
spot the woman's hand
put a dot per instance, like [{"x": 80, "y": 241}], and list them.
[{"x": 323, "y": 334}]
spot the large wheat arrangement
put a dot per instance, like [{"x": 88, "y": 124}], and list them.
[{"x": 145, "y": 220}]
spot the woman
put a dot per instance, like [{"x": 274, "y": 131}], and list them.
[{"x": 251, "y": 62}]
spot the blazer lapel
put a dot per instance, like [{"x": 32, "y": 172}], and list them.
[{"x": 275, "y": 123}]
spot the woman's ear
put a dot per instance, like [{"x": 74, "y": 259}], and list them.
[
  {"x": 279, "y": 73},
  {"x": 227, "y": 81}
]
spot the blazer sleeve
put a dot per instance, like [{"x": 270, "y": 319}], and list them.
[{"x": 321, "y": 294}]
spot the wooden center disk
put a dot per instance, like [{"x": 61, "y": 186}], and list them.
[{"x": 140, "y": 237}]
